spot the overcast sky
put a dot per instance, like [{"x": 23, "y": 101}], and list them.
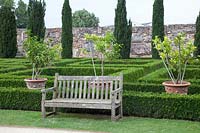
[{"x": 140, "y": 11}]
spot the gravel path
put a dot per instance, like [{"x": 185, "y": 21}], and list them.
[{"x": 7, "y": 129}]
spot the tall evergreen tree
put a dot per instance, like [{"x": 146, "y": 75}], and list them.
[
  {"x": 197, "y": 36},
  {"x": 36, "y": 13},
  {"x": 157, "y": 24},
  {"x": 67, "y": 35},
  {"x": 8, "y": 33},
  {"x": 21, "y": 14},
  {"x": 123, "y": 29}
]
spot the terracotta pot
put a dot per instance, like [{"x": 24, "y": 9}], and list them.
[
  {"x": 170, "y": 87},
  {"x": 36, "y": 84}
]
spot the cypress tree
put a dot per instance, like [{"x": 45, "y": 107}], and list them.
[
  {"x": 123, "y": 29},
  {"x": 36, "y": 13},
  {"x": 67, "y": 35},
  {"x": 157, "y": 24},
  {"x": 8, "y": 33},
  {"x": 197, "y": 36},
  {"x": 21, "y": 14}
]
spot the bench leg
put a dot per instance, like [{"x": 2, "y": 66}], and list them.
[
  {"x": 54, "y": 110},
  {"x": 113, "y": 113},
  {"x": 121, "y": 111},
  {"x": 43, "y": 111}
]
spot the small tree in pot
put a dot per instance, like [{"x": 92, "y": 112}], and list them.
[
  {"x": 175, "y": 58},
  {"x": 105, "y": 46},
  {"x": 41, "y": 55}
]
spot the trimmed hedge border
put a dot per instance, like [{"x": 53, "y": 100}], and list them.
[
  {"x": 134, "y": 103},
  {"x": 162, "y": 105}
]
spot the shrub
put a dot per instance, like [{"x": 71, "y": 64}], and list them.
[
  {"x": 162, "y": 105},
  {"x": 134, "y": 103}
]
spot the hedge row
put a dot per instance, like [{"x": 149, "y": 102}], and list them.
[
  {"x": 162, "y": 105},
  {"x": 68, "y": 71},
  {"x": 134, "y": 103}
]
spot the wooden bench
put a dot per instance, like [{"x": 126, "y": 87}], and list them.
[{"x": 91, "y": 92}]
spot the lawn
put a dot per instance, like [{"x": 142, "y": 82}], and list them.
[{"x": 97, "y": 123}]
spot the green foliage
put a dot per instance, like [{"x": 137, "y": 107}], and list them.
[
  {"x": 162, "y": 105},
  {"x": 157, "y": 24},
  {"x": 197, "y": 36},
  {"x": 8, "y": 33},
  {"x": 7, "y": 3},
  {"x": 123, "y": 29},
  {"x": 83, "y": 18},
  {"x": 67, "y": 35},
  {"x": 21, "y": 14},
  {"x": 105, "y": 47},
  {"x": 142, "y": 96},
  {"x": 40, "y": 54},
  {"x": 175, "y": 59},
  {"x": 36, "y": 23},
  {"x": 134, "y": 103}
]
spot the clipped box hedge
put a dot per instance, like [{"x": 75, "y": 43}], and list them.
[
  {"x": 134, "y": 103},
  {"x": 162, "y": 105}
]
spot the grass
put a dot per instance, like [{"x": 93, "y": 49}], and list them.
[{"x": 97, "y": 123}]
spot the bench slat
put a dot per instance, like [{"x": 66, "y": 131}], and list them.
[
  {"x": 88, "y": 93},
  {"x": 93, "y": 89},
  {"x": 59, "y": 89},
  {"x": 64, "y": 89},
  {"x": 102, "y": 88},
  {"x": 97, "y": 90},
  {"x": 68, "y": 85},
  {"x": 72, "y": 89},
  {"x": 76, "y": 90},
  {"x": 80, "y": 89},
  {"x": 106, "y": 93},
  {"x": 111, "y": 88},
  {"x": 85, "y": 86}
]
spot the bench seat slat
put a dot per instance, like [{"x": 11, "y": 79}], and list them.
[{"x": 79, "y": 101}]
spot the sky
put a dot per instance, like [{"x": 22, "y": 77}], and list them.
[{"x": 139, "y": 11}]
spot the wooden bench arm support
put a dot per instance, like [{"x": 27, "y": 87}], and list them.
[
  {"x": 44, "y": 91},
  {"x": 47, "y": 90},
  {"x": 116, "y": 91}
]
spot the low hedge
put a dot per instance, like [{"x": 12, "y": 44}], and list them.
[
  {"x": 134, "y": 103},
  {"x": 72, "y": 71},
  {"x": 162, "y": 105}
]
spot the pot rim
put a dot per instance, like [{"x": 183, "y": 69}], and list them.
[
  {"x": 170, "y": 83},
  {"x": 34, "y": 80}
]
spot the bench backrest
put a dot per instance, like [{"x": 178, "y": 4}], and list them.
[{"x": 86, "y": 87}]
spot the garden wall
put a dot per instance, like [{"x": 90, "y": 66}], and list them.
[{"x": 141, "y": 37}]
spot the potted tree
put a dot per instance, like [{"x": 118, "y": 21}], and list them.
[
  {"x": 41, "y": 55},
  {"x": 175, "y": 55},
  {"x": 105, "y": 46}
]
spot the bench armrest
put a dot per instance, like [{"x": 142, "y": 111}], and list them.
[
  {"x": 116, "y": 91},
  {"x": 47, "y": 90}
]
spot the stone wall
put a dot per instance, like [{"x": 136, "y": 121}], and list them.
[{"x": 141, "y": 38}]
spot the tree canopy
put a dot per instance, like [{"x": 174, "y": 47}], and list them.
[
  {"x": 123, "y": 29},
  {"x": 21, "y": 14},
  {"x": 83, "y": 18},
  {"x": 67, "y": 35},
  {"x": 36, "y": 13}
]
